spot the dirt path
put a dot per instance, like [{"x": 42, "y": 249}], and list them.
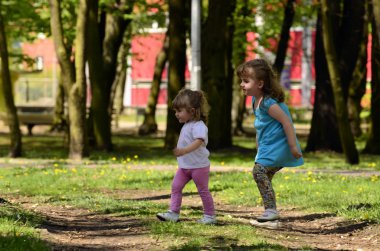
[{"x": 68, "y": 228}]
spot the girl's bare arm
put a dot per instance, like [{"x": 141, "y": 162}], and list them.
[{"x": 188, "y": 149}]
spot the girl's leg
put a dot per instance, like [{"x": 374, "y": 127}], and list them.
[
  {"x": 263, "y": 177},
  {"x": 201, "y": 178},
  {"x": 181, "y": 178}
]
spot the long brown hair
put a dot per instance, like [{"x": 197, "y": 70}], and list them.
[
  {"x": 196, "y": 100},
  {"x": 263, "y": 71}
]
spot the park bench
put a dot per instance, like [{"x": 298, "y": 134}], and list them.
[{"x": 33, "y": 115}]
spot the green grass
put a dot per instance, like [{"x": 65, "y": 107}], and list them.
[
  {"x": 46, "y": 176},
  {"x": 96, "y": 189},
  {"x": 17, "y": 229},
  {"x": 148, "y": 150}
]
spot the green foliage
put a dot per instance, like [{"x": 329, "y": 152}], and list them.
[{"x": 25, "y": 19}]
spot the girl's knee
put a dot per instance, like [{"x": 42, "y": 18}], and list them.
[
  {"x": 258, "y": 172},
  {"x": 177, "y": 188}
]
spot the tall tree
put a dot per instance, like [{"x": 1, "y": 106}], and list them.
[
  {"x": 117, "y": 90},
  {"x": 73, "y": 77},
  {"x": 106, "y": 31},
  {"x": 376, "y": 17},
  {"x": 372, "y": 145},
  {"x": 217, "y": 73},
  {"x": 345, "y": 134},
  {"x": 15, "y": 133},
  {"x": 348, "y": 35},
  {"x": 324, "y": 122},
  {"x": 149, "y": 124},
  {"x": 282, "y": 47},
  {"x": 177, "y": 64},
  {"x": 358, "y": 83}
]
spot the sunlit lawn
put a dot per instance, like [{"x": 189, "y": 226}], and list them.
[
  {"x": 45, "y": 176},
  {"x": 149, "y": 150}
]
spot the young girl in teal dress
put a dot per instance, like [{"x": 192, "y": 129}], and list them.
[{"x": 276, "y": 141}]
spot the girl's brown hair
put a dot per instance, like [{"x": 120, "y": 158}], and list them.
[
  {"x": 196, "y": 100},
  {"x": 263, "y": 71}
]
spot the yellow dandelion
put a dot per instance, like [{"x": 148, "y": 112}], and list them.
[
  {"x": 136, "y": 156},
  {"x": 372, "y": 164},
  {"x": 286, "y": 177},
  {"x": 74, "y": 170},
  {"x": 222, "y": 163},
  {"x": 374, "y": 178},
  {"x": 114, "y": 158}
]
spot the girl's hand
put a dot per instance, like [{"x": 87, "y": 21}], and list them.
[
  {"x": 296, "y": 154},
  {"x": 178, "y": 151}
]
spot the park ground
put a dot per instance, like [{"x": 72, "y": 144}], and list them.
[{"x": 72, "y": 227}]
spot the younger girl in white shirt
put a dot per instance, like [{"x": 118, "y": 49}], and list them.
[{"x": 191, "y": 108}]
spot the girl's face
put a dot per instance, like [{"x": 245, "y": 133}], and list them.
[
  {"x": 183, "y": 115},
  {"x": 250, "y": 85}
]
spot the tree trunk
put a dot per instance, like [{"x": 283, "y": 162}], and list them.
[
  {"x": 101, "y": 122},
  {"x": 102, "y": 58},
  {"x": 217, "y": 71},
  {"x": 177, "y": 64},
  {"x": 284, "y": 37},
  {"x": 376, "y": 17},
  {"x": 345, "y": 134},
  {"x": 150, "y": 125},
  {"x": 77, "y": 100},
  {"x": 117, "y": 91},
  {"x": 14, "y": 128},
  {"x": 372, "y": 145},
  {"x": 323, "y": 123},
  {"x": 59, "y": 121},
  {"x": 239, "y": 56},
  {"x": 357, "y": 87},
  {"x": 76, "y": 90}
]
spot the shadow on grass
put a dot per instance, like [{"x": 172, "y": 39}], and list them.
[
  {"x": 147, "y": 148},
  {"x": 224, "y": 244},
  {"x": 161, "y": 197},
  {"x": 22, "y": 243}
]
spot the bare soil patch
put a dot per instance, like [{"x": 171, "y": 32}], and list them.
[{"x": 68, "y": 228}]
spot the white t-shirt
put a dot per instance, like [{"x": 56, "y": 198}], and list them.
[{"x": 199, "y": 157}]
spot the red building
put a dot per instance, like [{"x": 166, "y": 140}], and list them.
[{"x": 144, "y": 49}]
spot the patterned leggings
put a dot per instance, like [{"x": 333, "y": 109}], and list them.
[{"x": 263, "y": 177}]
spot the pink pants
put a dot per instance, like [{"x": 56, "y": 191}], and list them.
[{"x": 200, "y": 176}]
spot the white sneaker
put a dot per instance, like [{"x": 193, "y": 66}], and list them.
[
  {"x": 275, "y": 224},
  {"x": 208, "y": 219},
  {"x": 168, "y": 216},
  {"x": 269, "y": 215}
]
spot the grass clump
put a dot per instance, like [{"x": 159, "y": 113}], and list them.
[{"x": 18, "y": 229}]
